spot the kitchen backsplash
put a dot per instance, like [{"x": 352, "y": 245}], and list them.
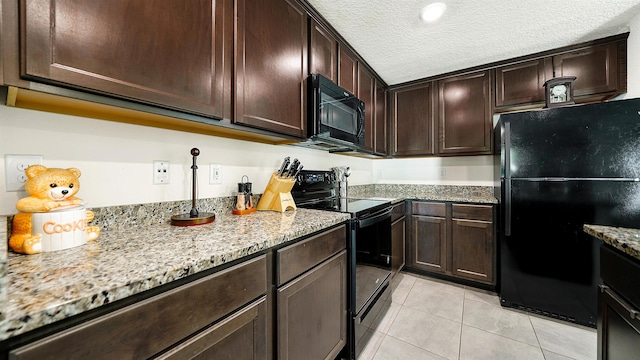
[{"x": 418, "y": 191}]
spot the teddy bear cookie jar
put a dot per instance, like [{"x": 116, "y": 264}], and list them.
[{"x": 51, "y": 218}]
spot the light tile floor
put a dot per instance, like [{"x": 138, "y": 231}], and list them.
[{"x": 434, "y": 319}]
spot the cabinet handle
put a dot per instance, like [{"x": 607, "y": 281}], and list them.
[{"x": 633, "y": 313}]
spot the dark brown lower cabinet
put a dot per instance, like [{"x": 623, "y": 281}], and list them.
[
  {"x": 162, "y": 322},
  {"x": 312, "y": 312},
  {"x": 228, "y": 314},
  {"x": 429, "y": 247},
  {"x": 619, "y": 329},
  {"x": 454, "y": 240},
  {"x": 472, "y": 250},
  {"x": 618, "y": 306}
]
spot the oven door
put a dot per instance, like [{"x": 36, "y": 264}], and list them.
[{"x": 372, "y": 260}]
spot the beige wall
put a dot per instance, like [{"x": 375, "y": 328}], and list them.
[{"x": 116, "y": 159}]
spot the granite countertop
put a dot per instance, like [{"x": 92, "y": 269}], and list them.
[
  {"x": 623, "y": 239},
  {"x": 399, "y": 192},
  {"x": 52, "y": 286}
]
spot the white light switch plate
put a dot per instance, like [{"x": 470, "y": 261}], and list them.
[
  {"x": 14, "y": 167},
  {"x": 215, "y": 173}
]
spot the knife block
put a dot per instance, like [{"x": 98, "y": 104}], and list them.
[{"x": 277, "y": 195}]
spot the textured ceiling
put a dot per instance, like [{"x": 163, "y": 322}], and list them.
[{"x": 389, "y": 35}]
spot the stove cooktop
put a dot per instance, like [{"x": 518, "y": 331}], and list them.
[{"x": 359, "y": 207}]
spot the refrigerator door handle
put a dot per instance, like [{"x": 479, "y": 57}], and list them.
[{"x": 507, "y": 207}]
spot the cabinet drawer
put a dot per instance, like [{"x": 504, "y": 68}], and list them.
[
  {"x": 429, "y": 208},
  {"x": 295, "y": 259},
  {"x": 229, "y": 337},
  {"x": 472, "y": 212},
  {"x": 621, "y": 272},
  {"x": 150, "y": 326},
  {"x": 398, "y": 211}
]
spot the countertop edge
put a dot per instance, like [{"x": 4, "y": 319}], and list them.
[{"x": 625, "y": 240}]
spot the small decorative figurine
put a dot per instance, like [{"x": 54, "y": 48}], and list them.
[{"x": 51, "y": 217}]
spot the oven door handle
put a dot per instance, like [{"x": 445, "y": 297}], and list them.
[{"x": 375, "y": 218}]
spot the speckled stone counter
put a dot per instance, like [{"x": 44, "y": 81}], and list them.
[
  {"x": 623, "y": 239},
  {"x": 399, "y": 192},
  {"x": 49, "y": 287}
]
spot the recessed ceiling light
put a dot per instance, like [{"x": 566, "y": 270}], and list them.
[{"x": 432, "y": 12}]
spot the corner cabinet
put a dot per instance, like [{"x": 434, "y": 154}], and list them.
[
  {"x": 412, "y": 114},
  {"x": 453, "y": 240},
  {"x": 451, "y": 116},
  {"x": 428, "y": 249},
  {"x": 465, "y": 120},
  {"x": 172, "y": 54},
  {"x": 271, "y": 50}
]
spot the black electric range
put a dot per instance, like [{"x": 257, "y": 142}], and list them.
[{"x": 368, "y": 246}]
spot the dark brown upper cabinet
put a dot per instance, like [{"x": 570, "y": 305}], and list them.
[
  {"x": 347, "y": 69},
  {"x": 596, "y": 69},
  {"x": 169, "y": 53},
  {"x": 465, "y": 119},
  {"x": 380, "y": 120},
  {"x": 366, "y": 89},
  {"x": 412, "y": 115},
  {"x": 324, "y": 52},
  {"x": 522, "y": 84},
  {"x": 271, "y": 50}
]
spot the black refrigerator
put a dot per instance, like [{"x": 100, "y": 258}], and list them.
[{"x": 556, "y": 170}]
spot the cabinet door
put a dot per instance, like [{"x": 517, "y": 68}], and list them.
[
  {"x": 429, "y": 236},
  {"x": 148, "y": 327},
  {"x": 312, "y": 312},
  {"x": 241, "y": 336},
  {"x": 464, "y": 114},
  {"x": 366, "y": 89},
  {"x": 595, "y": 69},
  {"x": 380, "y": 120},
  {"x": 271, "y": 65},
  {"x": 348, "y": 69},
  {"x": 169, "y": 53},
  {"x": 618, "y": 327},
  {"x": 324, "y": 52},
  {"x": 522, "y": 83},
  {"x": 412, "y": 120},
  {"x": 473, "y": 249},
  {"x": 398, "y": 234}
]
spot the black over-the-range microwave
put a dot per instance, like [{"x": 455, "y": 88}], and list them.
[{"x": 336, "y": 116}]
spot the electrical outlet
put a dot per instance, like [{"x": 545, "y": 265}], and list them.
[
  {"x": 14, "y": 167},
  {"x": 442, "y": 173},
  {"x": 215, "y": 173},
  {"x": 160, "y": 172}
]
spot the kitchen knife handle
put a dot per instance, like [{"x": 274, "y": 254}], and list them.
[{"x": 284, "y": 165}]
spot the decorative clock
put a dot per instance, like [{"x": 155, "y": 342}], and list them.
[{"x": 559, "y": 91}]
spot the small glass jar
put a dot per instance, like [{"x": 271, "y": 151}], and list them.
[{"x": 241, "y": 197}]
